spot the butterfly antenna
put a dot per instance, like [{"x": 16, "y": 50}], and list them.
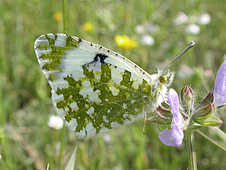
[{"x": 190, "y": 45}]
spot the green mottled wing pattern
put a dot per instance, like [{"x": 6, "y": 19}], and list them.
[{"x": 94, "y": 88}]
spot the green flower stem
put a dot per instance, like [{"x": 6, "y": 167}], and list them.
[
  {"x": 61, "y": 147},
  {"x": 64, "y": 9},
  {"x": 190, "y": 150},
  {"x": 212, "y": 140},
  {"x": 64, "y": 6},
  {"x": 221, "y": 134}
]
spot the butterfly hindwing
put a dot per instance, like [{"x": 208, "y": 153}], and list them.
[{"x": 94, "y": 88}]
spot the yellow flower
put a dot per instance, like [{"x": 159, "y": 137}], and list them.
[
  {"x": 124, "y": 42},
  {"x": 87, "y": 27},
  {"x": 58, "y": 17}
]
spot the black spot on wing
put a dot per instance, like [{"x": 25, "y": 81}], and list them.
[
  {"x": 55, "y": 36},
  {"x": 79, "y": 40},
  {"x": 100, "y": 57}
]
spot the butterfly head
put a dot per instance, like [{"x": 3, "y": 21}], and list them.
[
  {"x": 166, "y": 78},
  {"x": 162, "y": 80}
]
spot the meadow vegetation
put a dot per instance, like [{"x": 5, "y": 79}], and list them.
[{"x": 154, "y": 35}]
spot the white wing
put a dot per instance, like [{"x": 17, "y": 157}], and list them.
[{"x": 94, "y": 88}]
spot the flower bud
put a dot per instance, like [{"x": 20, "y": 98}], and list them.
[
  {"x": 203, "y": 113},
  {"x": 187, "y": 97},
  {"x": 206, "y": 101},
  {"x": 163, "y": 116},
  {"x": 211, "y": 121},
  {"x": 165, "y": 105},
  {"x": 163, "y": 113}
]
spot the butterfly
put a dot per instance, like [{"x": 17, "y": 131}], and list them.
[{"x": 96, "y": 89}]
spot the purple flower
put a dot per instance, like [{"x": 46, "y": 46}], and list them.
[
  {"x": 175, "y": 135},
  {"x": 220, "y": 86}
]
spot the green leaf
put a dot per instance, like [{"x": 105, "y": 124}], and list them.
[
  {"x": 211, "y": 121},
  {"x": 204, "y": 113},
  {"x": 71, "y": 162}
]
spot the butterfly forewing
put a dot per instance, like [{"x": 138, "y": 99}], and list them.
[{"x": 94, "y": 88}]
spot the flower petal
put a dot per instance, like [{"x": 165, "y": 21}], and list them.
[
  {"x": 124, "y": 42},
  {"x": 220, "y": 86},
  {"x": 55, "y": 122},
  {"x": 172, "y": 137},
  {"x": 173, "y": 100}
]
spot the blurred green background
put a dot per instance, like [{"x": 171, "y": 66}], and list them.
[{"x": 26, "y": 140}]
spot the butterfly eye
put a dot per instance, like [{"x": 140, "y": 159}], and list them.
[
  {"x": 166, "y": 78},
  {"x": 163, "y": 79}
]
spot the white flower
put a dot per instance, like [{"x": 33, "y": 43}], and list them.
[
  {"x": 152, "y": 28},
  {"x": 185, "y": 71},
  {"x": 55, "y": 122},
  {"x": 140, "y": 29},
  {"x": 147, "y": 28},
  {"x": 181, "y": 18},
  {"x": 193, "y": 29},
  {"x": 208, "y": 73},
  {"x": 107, "y": 138},
  {"x": 204, "y": 19},
  {"x": 147, "y": 40}
]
